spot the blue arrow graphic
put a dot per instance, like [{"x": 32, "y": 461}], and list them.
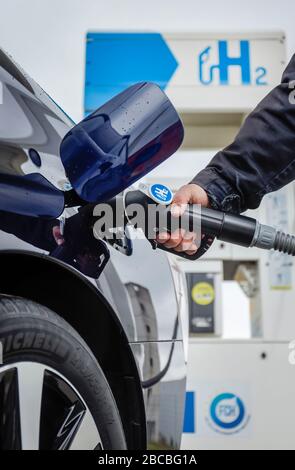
[{"x": 115, "y": 61}]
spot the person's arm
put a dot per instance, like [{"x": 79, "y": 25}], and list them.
[
  {"x": 262, "y": 157},
  {"x": 260, "y": 160}
]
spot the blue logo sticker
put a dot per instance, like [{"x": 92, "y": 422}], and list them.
[
  {"x": 161, "y": 193},
  {"x": 227, "y": 411}
]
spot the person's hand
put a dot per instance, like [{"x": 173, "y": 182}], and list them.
[
  {"x": 56, "y": 232},
  {"x": 180, "y": 240}
]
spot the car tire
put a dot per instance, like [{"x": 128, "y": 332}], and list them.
[{"x": 53, "y": 393}]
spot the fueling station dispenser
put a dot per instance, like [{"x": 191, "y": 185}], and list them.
[
  {"x": 241, "y": 302},
  {"x": 241, "y": 377}
]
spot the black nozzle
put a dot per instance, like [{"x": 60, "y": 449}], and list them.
[{"x": 231, "y": 228}]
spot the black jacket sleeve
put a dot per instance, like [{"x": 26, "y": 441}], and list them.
[{"x": 262, "y": 157}]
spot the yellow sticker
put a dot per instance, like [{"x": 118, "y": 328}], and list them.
[{"x": 203, "y": 293}]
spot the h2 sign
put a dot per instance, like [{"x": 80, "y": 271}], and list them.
[{"x": 217, "y": 66}]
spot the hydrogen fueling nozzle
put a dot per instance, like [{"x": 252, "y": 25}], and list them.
[
  {"x": 122, "y": 141},
  {"x": 232, "y": 228}
]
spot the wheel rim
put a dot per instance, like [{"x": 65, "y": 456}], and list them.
[{"x": 41, "y": 409}]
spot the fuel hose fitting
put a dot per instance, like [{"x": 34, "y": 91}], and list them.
[{"x": 232, "y": 228}]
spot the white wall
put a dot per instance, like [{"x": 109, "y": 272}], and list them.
[{"x": 47, "y": 36}]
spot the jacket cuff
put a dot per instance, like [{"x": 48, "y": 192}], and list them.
[{"x": 221, "y": 194}]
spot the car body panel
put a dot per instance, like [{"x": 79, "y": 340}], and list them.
[
  {"x": 33, "y": 193},
  {"x": 150, "y": 298}
]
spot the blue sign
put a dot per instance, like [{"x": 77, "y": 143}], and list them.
[
  {"x": 189, "y": 413},
  {"x": 114, "y": 61},
  {"x": 227, "y": 411},
  {"x": 161, "y": 193},
  {"x": 209, "y": 71}
]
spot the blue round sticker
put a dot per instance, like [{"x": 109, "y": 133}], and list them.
[
  {"x": 161, "y": 193},
  {"x": 227, "y": 411}
]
